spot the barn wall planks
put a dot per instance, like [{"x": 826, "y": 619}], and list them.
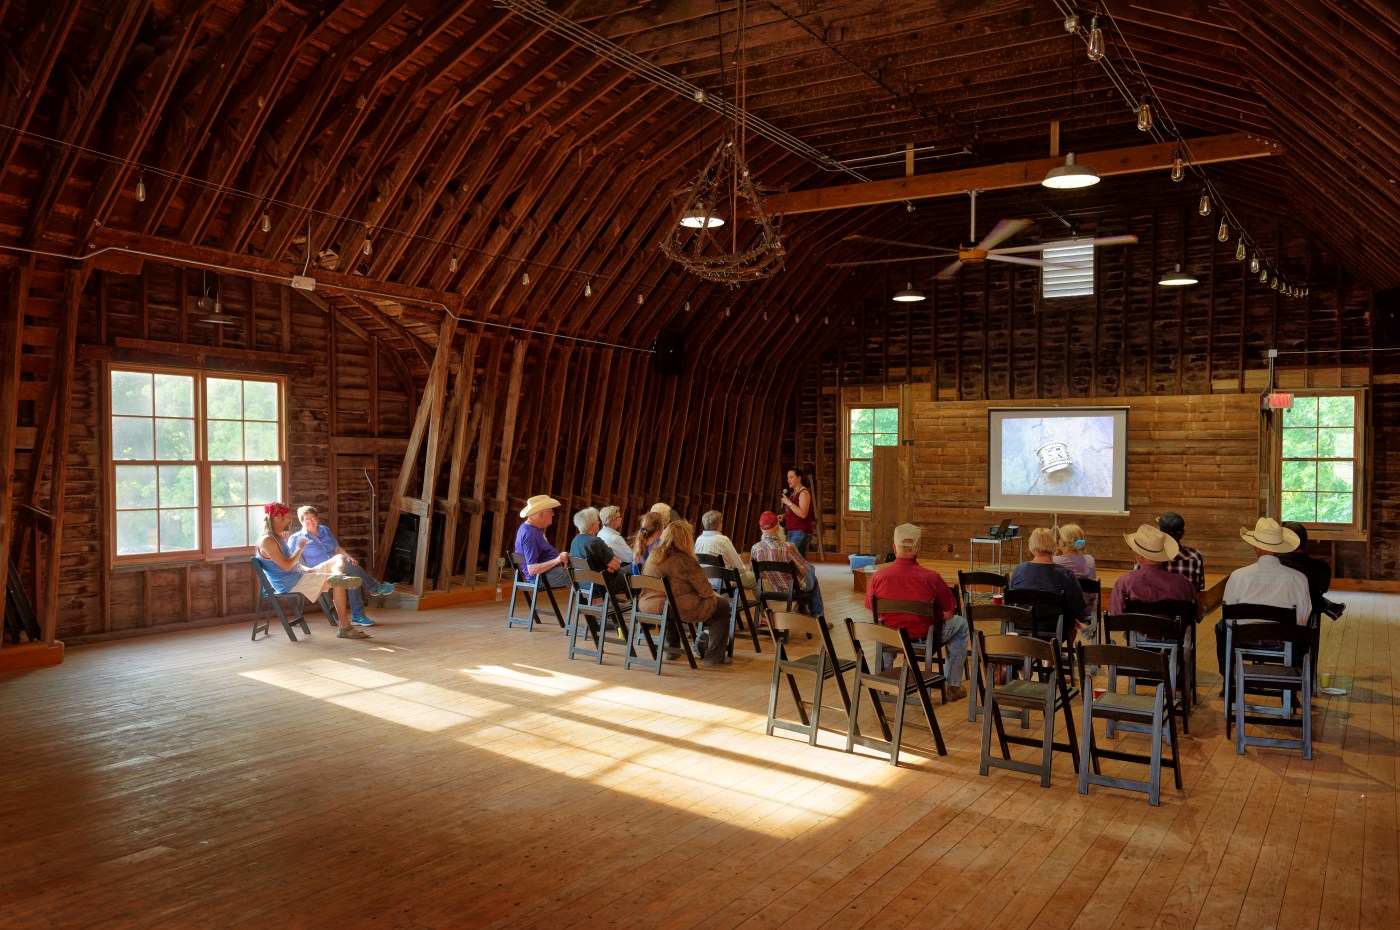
[
  {"x": 609, "y": 417},
  {"x": 986, "y": 335}
]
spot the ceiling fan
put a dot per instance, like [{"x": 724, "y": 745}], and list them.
[{"x": 974, "y": 252}]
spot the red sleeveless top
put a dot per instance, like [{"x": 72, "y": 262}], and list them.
[{"x": 792, "y": 521}]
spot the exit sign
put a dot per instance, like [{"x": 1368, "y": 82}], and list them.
[{"x": 1278, "y": 401}]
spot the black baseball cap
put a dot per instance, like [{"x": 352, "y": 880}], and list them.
[{"x": 1172, "y": 524}]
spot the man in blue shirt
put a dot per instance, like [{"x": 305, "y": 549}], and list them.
[
  {"x": 320, "y": 546},
  {"x": 541, "y": 558}
]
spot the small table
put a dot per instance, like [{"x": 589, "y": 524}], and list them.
[{"x": 995, "y": 542}]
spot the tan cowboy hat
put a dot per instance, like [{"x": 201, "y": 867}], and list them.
[
  {"x": 537, "y": 503},
  {"x": 1152, "y": 544},
  {"x": 1267, "y": 534}
]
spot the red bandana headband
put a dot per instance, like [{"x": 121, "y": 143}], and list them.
[{"x": 276, "y": 509}]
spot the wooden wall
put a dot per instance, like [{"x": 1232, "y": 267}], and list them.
[
  {"x": 1198, "y": 455},
  {"x": 987, "y": 336},
  {"x": 588, "y": 423}
]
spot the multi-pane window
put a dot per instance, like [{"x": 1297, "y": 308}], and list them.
[
  {"x": 1069, "y": 269},
  {"x": 870, "y": 427},
  {"x": 1321, "y": 460},
  {"x": 194, "y": 459}
]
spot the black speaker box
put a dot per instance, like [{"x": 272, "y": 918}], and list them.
[
  {"x": 1385, "y": 318},
  {"x": 668, "y": 350}
]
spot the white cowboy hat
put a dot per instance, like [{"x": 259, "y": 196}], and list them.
[
  {"x": 1267, "y": 534},
  {"x": 537, "y": 503},
  {"x": 1151, "y": 543}
]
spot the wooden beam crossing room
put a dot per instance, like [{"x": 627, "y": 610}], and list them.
[{"x": 700, "y": 464}]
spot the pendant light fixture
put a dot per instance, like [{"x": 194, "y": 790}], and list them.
[
  {"x": 1176, "y": 278},
  {"x": 1178, "y": 166},
  {"x": 1070, "y": 175},
  {"x": 1144, "y": 117},
  {"x": 909, "y": 295},
  {"x": 1095, "y": 40}
]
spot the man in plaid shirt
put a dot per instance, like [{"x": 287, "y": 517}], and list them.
[
  {"x": 773, "y": 547},
  {"x": 1188, "y": 561}
]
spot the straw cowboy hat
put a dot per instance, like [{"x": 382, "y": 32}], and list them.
[
  {"x": 1152, "y": 544},
  {"x": 537, "y": 503},
  {"x": 1267, "y": 534}
]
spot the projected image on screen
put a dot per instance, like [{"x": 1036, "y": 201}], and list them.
[{"x": 1057, "y": 456}]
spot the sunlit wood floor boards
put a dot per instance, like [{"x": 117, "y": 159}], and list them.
[{"x": 451, "y": 773}]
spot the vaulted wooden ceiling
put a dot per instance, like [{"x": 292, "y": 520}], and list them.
[{"x": 464, "y": 128}]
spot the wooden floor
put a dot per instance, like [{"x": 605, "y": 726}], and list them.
[{"x": 450, "y": 773}]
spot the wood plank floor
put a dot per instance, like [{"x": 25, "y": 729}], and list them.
[{"x": 450, "y": 773}]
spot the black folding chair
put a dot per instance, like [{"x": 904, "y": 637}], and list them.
[
  {"x": 530, "y": 589},
  {"x": 904, "y": 678},
  {"x": 821, "y": 665},
  {"x": 272, "y": 601},
  {"x": 1153, "y": 713},
  {"x": 732, "y": 587},
  {"x": 1044, "y": 690},
  {"x": 1233, "y": 615},
  {"x": 931, "y": 645},
  {"x": 1286, "y": 674}
]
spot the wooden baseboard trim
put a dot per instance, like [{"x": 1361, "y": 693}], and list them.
[
  {"x": 30, "y": 655},
  {"x": 1363, "y": 584}
]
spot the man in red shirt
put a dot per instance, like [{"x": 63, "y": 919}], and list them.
[{"x": 905, "y": 579}]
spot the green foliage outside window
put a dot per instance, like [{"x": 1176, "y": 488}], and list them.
[
  {"x": 1320, "y": 460},
  {"x": 157, "y": 465},
  {"x": 870, "y": 427}
]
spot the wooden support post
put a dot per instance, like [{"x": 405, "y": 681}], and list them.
[
  {"x": 16, "y": 292},
  {"x": 64, "y": 350},
  {"x": 517, "y": 372},
  {"x": 458, "y": 464}
]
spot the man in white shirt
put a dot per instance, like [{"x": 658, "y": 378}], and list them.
[
  {"x": 713, "y": 542},
  {"x": 611, "y": 518},
  {"x": 1268, "y": 581}
]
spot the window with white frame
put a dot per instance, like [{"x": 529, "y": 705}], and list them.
[
  {"x": 195, "y": 456},
  {"x": 869, "y": 427},
  {"x": 1321, "y": 460},
  {"x": 1069, "y": 269}
]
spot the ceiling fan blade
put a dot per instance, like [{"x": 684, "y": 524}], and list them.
[
  {"x": 1037, "y": 262},
  {"x": 907, "y": 245},
  {"x": 1001, "y": 232},
  {"x": 1096, "y": 243},
  {"x": 879, "y": 261},
  {"x": 950, "y": 270}
]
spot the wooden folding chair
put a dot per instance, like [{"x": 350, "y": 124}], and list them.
[
  {"x": 821, "y": 665},
  {"x": 930, "y": 645},
  {"x": 1233, "y": 616},
  {"x": 270, "y": 600},
  {"x": 740, "y": 606},
  {"x": 1184, "y": 613},
  {"x": 1287, "y": 673},
  {"x": 904, "y": 678},
  {"x": 1160, "y": 634},
  {"x": 593, "y": 604},
  {"x": 1044, "y": 690},
  {"x": 1153, "y": 712},
  {"x": 530, "y": 589},
  {"x": 1002, "y": 617},
  {"x": 643, "y": 622}
]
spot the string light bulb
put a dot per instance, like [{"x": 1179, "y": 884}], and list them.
[
  {"x": 1204, "y": 207},
  {"x": 687, "y": 306},
  {"x": 1144, "y": 117},
  {"x": 1239, "y": 250},
  {"x": 826, "y": 320},
  {"x": 1264, "y": 276},
  {"x": 525, "y": 278},
  {"x": 141, "y": 187},
  {"x": 587, "y": 288},
  {"x": 1178, "y": 166},
  {"x": 1274, "y": 283},
  {"x": 1223, "y": 233},
  {"x": 452, "y": 263},
  {"x": 1254, "y": 264},
  {"x": 266, "y": 223},
  {"x": 368, "y": 247},
  {"x": 1095, "y": 40},
  {"x": 640, "y": 300}
]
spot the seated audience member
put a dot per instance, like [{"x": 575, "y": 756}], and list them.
[
  {"x": 696, "y": 602},
  {"x": 1318, "y": 572},
  {"x": 772, "y": 546},
  {"x": 1042, "y": 574},
  {"x": 586, "y": 545},
  {"x": 322, "y": 546},
  {"x": 905, "y": 579},
  {"x": 1267, "y": 581},
  {"x": 663, "y": 511},
  {"x": 611, "y": 518},
  {"x": 713, "y": 542},
  {"x": 1152, "y": 550},
  {"x": 648, "y": 535},
  {"x": 281, "y": 562},
  {"x": 530, "y": 543},
  {"x": 1188, "y": 561},
  {"x": 1069, "y": 552}
]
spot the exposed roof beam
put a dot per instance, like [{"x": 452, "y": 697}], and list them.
[{"x": 1134, "y": 160}]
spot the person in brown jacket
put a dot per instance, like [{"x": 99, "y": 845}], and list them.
[{"x": 674, "y": 559}]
